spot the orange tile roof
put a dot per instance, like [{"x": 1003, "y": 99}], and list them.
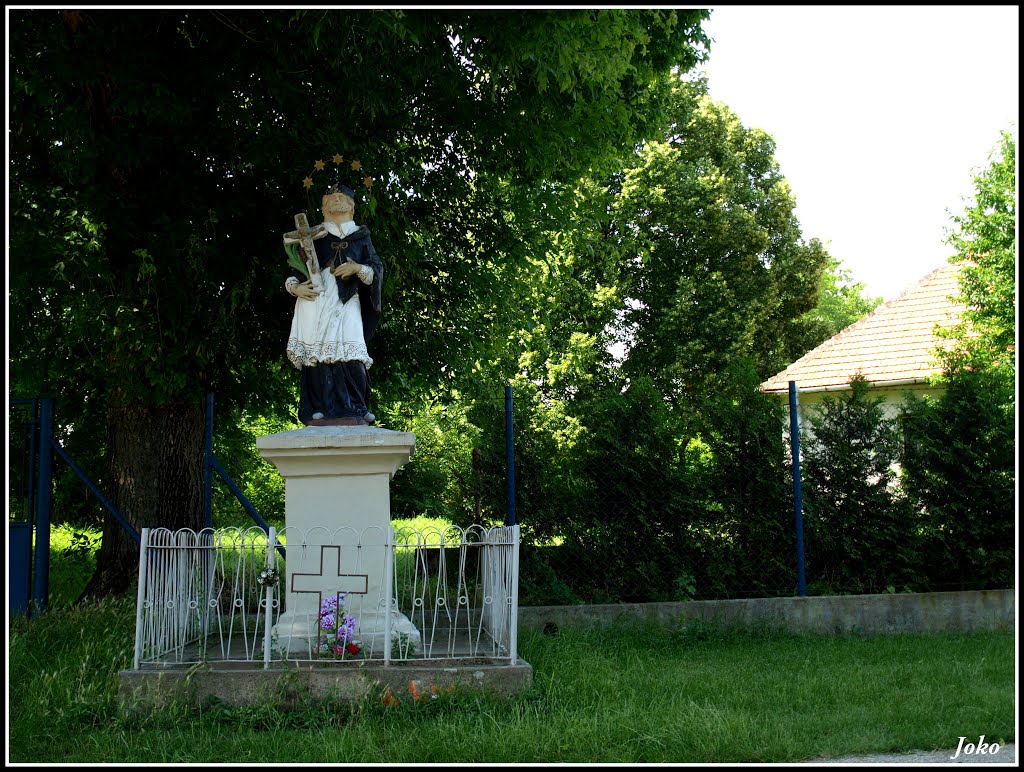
[{"x": 892, "y": 345}]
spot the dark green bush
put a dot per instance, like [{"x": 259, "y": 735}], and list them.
[
  {"x": 862, "y": 534},
  {"x": 958, "y": 464}
]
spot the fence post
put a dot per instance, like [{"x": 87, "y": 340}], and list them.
[
  {"x": 798, "y": 505},
  {"x": 389, "y": 571},
  {"x": 513, "y": 630},
  {"x": 140, "y": 597},
  {"x": 510, "y": 459},
  {"x": 269, "y": 596},
  {"x": 208, "y": 465},
  {"x": 44, "y": 499}
]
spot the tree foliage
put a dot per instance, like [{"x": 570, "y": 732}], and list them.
[
  {"x": 721, "y": 268},
  {"x": 959, "y": 469},
  {"x": 611, "y": 449},
  {"x": 748, "y": 488},
  {"x": 959, "y": 459},
  {"x": 841, "y": 302},
  {"x": 985, "y": 240},
  {"x": 158, "y": 155}
]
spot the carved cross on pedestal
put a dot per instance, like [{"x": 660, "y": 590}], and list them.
[
  {"x": 354, "y": 580},
  {"x": 305, "y": 235}
]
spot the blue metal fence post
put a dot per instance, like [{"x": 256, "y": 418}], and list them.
[
  {"x": 208, "y": 465},
  {"x": 798, "y": 505},
  {"x": 44, "y": 500},
  {"x": 510, "y": 460}
]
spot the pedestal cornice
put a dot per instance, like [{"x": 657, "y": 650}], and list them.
[{"x": 337, "y": 450}]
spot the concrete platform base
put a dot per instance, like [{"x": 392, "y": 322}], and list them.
[{"x": 291, "y": 684}]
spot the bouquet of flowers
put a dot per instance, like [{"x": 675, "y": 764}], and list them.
[
  {"x": 267, "y": 578},
  {"x": 338, "y": 629}
]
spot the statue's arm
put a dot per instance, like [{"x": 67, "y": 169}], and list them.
[
  {"x": 365, "y": 272},
  {"x": 377, "y": 280},
  {"x": 305, "y": 290},
  {"x": 375, "y": 262},
  {"x": 299, "y": 285}
]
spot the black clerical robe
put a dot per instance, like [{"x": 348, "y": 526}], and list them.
[{"x": 341, "y": 389}]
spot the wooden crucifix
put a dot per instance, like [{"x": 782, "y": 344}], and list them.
[{"x": 304, "y": 236}]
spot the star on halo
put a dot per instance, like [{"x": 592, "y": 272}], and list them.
[
  {"x": 319, "y": 166},
  {"x": 307, "y": 183},
  {"x": 356, "y": 166},
  {"x": 338, "y": 158}
]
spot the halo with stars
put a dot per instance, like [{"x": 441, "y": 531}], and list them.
[{"x": 354, "y": 166}]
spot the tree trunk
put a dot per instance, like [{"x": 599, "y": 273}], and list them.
[{"x": 156, "y": 478}]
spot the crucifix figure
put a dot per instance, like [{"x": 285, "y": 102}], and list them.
[{"x": 304, "y": 236}]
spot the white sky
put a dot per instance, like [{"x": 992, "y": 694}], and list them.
[{"x": 881, "y": 117}]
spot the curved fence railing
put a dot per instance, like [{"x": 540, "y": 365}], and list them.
[{"x": 342, "y": 597}]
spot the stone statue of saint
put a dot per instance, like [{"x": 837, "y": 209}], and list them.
[{"x": 337, "y": 307}]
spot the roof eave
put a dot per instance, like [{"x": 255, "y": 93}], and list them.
[{"x": 846, "y": 386}]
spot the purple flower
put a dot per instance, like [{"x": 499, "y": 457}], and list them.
[
  {"x": 327, "y": 621},
  {"x": 332, "y": 602},
  {"x": 347, "y": 629}
]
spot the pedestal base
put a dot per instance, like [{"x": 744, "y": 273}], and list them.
[{"x": 337, "y": 514}]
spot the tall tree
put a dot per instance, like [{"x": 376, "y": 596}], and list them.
[
  {"x": 720, "y": 265},
  {"x": 158, "y": 155},
  {"x": 985, "y": 240},
  {"x": 959, "y": 457}
]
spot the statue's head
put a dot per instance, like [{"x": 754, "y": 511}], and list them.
[{"x": 338, "y": 199}]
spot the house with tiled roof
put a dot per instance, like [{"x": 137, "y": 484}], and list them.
[{"x": 893, "y": 347}]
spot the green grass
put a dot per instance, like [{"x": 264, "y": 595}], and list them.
[
  {"x": 629, "y": 694},
  {"x": 72, "y": 562},
  {"x": 421, "y": 523}
]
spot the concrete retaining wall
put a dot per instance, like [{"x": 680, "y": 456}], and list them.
[{"x": 834, "y": 614}]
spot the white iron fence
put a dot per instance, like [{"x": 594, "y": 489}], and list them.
[{"x": 341, "y": 597}]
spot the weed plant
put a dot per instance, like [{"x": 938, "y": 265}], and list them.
[{"x": 625, "y": 694}]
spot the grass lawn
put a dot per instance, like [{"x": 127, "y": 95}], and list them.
[{"x": 629, "y": 694}]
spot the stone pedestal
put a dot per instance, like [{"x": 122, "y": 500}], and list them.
[{"x": 337, "y": 490}]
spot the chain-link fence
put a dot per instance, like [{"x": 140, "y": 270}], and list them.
[
  {"x": 623, "y": 496},
  {"x": 625, "y": 504},
  {"x": 621, "y": 500},
  {"x": 616, "y": 504}
]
